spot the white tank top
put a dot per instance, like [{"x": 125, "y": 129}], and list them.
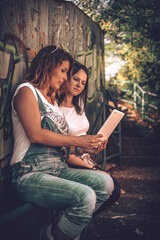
[
  {"x": 78, "y": 124},
  {"x": 21, "y": 141}
]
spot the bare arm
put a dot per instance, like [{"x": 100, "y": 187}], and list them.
[
  {"x": 77, "y": 161},
  {"x": 27, "y": 109}
]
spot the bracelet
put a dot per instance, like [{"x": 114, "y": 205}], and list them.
[{"x": 77, "y": 151}]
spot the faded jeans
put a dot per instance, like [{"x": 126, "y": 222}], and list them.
[{"x": 76, "y": 191}]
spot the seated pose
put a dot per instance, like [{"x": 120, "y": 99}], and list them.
[
  {"x": 73, "y": 99},
  {"x": 39, "y": 170}
]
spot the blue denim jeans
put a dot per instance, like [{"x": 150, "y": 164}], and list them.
[
  {"x": 44, "y": 178},
  {"x": 76, "y": 191}
]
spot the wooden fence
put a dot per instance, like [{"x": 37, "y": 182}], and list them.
[{"x": 35, "y": 24}]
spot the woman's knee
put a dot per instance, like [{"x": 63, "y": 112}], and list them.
[
  {"x": 106, "y": 182},
  {"x": 109, "y": 184},
  {"x": 87, "y": 199},
  {"x": 82, "y": 206}
]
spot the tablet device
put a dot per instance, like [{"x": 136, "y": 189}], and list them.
[{"x": 111, "y": 123}]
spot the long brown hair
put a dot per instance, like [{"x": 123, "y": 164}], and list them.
[
  {"x": 43, "y": 65},
  {"x": 82, "y": 97}
]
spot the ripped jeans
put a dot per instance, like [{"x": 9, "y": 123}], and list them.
[{"x": 76, "y": 191}]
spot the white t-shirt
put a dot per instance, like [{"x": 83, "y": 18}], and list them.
[
  {"x": 78, "y": 124},
  {"x": 21, "y": 141}
]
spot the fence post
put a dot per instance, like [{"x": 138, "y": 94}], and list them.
[
  {"x": 120, "y": 142},
  {"x": 135, "y": 95},
  {"x": 143, "y": 104},
  {"x": 104, "y": 153}
]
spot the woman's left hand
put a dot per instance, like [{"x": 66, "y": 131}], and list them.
[{"x": 101, "y": 146}]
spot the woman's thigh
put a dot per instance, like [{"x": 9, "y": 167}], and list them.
[
  {"x": 100, "y": 182},
  {"x": 52, "y": 192}
]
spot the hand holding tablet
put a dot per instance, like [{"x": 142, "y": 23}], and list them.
[{"x": 111, "y": 123}]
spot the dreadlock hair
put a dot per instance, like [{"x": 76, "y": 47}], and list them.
[
  {"x": 43, "y": 64},
  {"x": 79, "y": 101}
]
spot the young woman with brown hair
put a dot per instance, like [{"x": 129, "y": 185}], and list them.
[
  {"x": 39, "y": 170},
  {"x": 72, "y": 101}
]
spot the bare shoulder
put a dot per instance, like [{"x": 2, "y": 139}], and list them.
[
  {"x": 24, "y": 92},
  {"x": 24, "y": 96}
]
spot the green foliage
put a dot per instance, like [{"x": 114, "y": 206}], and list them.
[{"x": 135, "y": 26}]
